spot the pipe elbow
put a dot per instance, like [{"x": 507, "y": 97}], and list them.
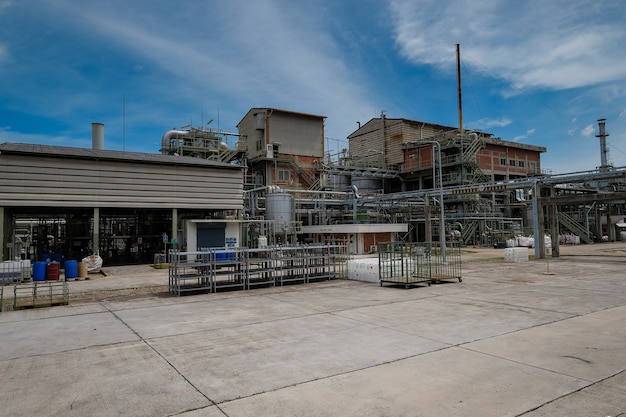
[{"x": 167, "y": 137}]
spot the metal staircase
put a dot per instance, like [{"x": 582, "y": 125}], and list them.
[
  {"x": 469, "y": 231},
  {"x": 575, "y": 227},
  {"x": 311, "y": 179},
  {"x": 474, "y": 174},
  {"x": 229, "y": 155}
]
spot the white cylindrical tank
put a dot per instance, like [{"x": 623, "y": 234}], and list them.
[{"x": 279, "y": 207}]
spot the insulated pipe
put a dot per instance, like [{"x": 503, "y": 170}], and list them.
[{"x": 167, "y": 136}]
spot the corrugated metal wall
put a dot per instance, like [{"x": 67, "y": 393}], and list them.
[
  {"x": 367, "y": 141},
  {"x": 33, "y": 180},
  {"x": 297, "y": 135}
]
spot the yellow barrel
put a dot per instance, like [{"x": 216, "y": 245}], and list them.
[{"x": 82, "y": 269}]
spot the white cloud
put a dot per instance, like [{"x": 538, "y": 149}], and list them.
[
  {"x": 528, "y": 133},
  {"x": 622, "y": 115},
  {"x": 5, "y": 4},
  {"x": 588, "y": 131},
  {"x": 487, "y": 123},
  {"x": 276, "y": 55},
  {"x": 555, "y": 44}
]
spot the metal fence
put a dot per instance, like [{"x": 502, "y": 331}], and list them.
[{"x": 404, "y": 263}]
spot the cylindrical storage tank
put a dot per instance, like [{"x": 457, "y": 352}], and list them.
[
  {"x": 71, "y": 270},
  {"x": 262, "y": 241},
  {"x": 342, "y": 183},
  {"x": 52, "y": 271},
  {"x": 279, "y": 207},
  {"x": 39, "y": 271},
  {"x": 82, "y": 270},
  {"x": 367, "y": 185}
]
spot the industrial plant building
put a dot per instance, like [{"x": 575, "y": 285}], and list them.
[
  {"x": 65, "y": 203},
  {"x": 273, "y": 183}
]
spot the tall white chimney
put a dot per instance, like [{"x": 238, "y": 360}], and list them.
[{"x": 97, "y": 135}]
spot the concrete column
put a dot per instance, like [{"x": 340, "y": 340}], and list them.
[
  {"x": 95, "y": 237},
  {"x": 428, "y": 226},
  {"x": 538, "y": 223},
  {"x": 610, "y": 229},
  {"x": 554, "y": 229}
]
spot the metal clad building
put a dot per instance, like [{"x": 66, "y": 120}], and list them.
[
  {"x": 142, "y": 195},
  {"x": 285, "y": 148}
]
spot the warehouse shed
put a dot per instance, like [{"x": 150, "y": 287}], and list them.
[{"x": 70, "y": 202}]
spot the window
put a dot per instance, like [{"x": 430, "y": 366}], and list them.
[
  {"x": 520, "y": 164},
  {"x": 502, "y": 161},
  {"x": 533, "y": 167},
  {"x": 512, "y": 162},
  {"x": 259, "y": 144},
  {"x": 284, "y": 175}
]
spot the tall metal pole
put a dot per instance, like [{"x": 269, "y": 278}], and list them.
[{"x": 458, "y": 82}]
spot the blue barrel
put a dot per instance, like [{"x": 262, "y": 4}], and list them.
[
  {"x": 71, "y": 269},
  {"x": 39, "y": 271}
]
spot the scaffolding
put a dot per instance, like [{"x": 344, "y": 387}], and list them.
[
  {"x": 406, "y": 264},
  {"x": 216, "y": 269}
]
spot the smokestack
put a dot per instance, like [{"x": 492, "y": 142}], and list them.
[
  {"x": 97, "y": 135},
  {"x": 604, "y": 165}
]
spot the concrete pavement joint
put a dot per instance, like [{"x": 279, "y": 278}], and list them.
[
  {"x": 573, "y": 392},
  {"x": 171, "y": 365}
]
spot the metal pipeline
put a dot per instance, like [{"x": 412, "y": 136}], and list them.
[{"x": 167, "y": 136}]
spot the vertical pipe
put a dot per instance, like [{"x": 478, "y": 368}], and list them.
[
  {"x": 382, "y": 127},
  {"x": 458, "y": 82},
  {"x": 97, "y": 135}
]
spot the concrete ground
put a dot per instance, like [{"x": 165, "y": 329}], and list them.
[{"x": 510, "y": 340}]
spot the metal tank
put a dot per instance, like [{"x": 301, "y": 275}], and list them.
[
  {"x": 367, "y": 185},
  {"x": 279, "y": 207},
  {"x": 342, "y": 183}
]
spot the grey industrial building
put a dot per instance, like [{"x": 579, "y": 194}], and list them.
[{"x": 70, "y": 202}]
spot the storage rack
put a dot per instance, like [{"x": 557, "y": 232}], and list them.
[
  {"x": 261, "y": 268},
  {"x": 241, "y": 268},
  {"x": 189, "y": 272},
  {"x": 403, "y": 263},
  {"x": 229, "y": 268}
]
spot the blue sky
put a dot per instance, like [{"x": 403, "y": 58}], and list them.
[{"x": 539, "y": 72}]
